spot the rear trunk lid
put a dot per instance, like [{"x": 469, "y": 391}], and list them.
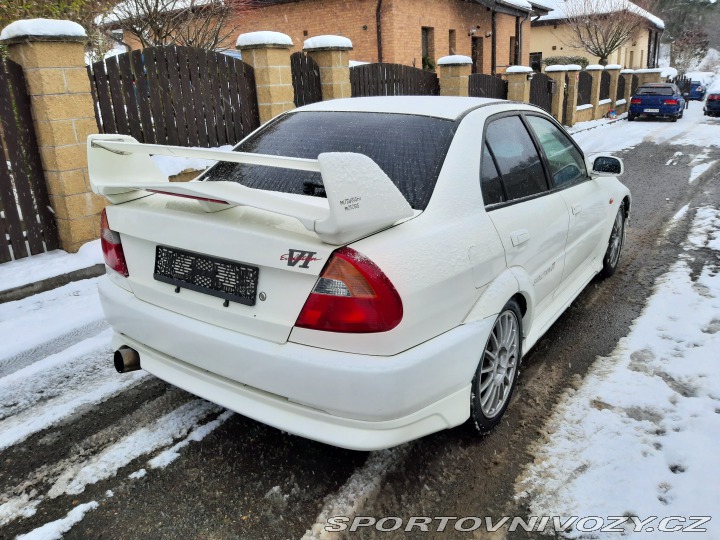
[{"x": 163, "y": 236}]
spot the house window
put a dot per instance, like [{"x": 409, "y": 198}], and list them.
[
  {"x": 428, "y": 48},
  {"x": 451, "y": 41},
  {"x": 642, "y": 59},
  {"x": 632, "y": 59},
  {"x": 476, "y": 54}
]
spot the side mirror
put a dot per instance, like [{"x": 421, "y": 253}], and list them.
[{"x": 605, "y": 165}]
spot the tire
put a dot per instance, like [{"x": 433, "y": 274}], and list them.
[
  {"x": 682, "y": 113},
  {"x": 674, "y": 118},
  {"x": 615, "y": 244},
  {"x": 496, "y": 374},
  {"x": 631, "y": 117}
]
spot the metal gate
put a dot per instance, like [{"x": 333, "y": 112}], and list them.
[
  {"x": 27, "y": 225},
  {"x": 542, "y": 88}
]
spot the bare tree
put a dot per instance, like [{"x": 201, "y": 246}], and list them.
[
  {"x": 689, "y": 49},
  {"x": 601, "y": 27},
  {"x": 199, "y": 23}
]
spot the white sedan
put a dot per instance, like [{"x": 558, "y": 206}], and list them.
[{"x": 361, "y": 272}]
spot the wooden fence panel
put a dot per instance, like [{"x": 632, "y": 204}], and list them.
[
  {"x": 584, "y": 88},
  {"x": 541, "y": 91},
  {"x": 392, "y": 80},
  {"x": 175, "y": 95},
  {"x": 605, "y": 85},
  {"x": 487, "y": 86},
  {"x": 27, "y": 225},
  {"x": 620, "y": 89},
  {"x": 305, "y": 79}
]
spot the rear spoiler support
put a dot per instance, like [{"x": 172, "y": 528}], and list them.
[{"x": 361, "y": 199}]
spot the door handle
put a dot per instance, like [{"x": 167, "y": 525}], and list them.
[
  {"x": 576, "y": 209},
  {"x": 519, "y": 237}
]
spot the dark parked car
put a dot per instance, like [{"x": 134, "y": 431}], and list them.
[
  {"x": 712, "y": 104},
  {"x": 657, "y": 99},
  {"x": 697, "y": 91}
]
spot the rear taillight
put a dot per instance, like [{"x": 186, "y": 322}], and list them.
[
  {"x": 635, "y": 101},
  {"x": 714, "y": 97},
  {"x": 670, "y": 102},
  {"x": 352, "y": 295},
  {"x": 112, "y": 247}
]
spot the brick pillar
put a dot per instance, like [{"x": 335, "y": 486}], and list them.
[
  {"x": 333, "y": 58},
  {"x": 557, "y": 74},
  {"x": 518, "y": 78},
  {"x": 454, "y": 75},
  {"x": 596, "y": 71},
  {"x": 572, "y": 91},
  {"x": 614, "y": 71},
  {"x": 63, "y": 115},
  {"x": 269, "y": 55},
  {"x": 652, "y": 75}
]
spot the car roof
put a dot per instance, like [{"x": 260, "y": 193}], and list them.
[{"x": 448, "y": 107}]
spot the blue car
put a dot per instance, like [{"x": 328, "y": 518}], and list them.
[
  {"x": 697, "y": 91},
  {"x": 662, "y": 100}
]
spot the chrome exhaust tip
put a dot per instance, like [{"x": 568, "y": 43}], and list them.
[{"x": 126, "y": 360}]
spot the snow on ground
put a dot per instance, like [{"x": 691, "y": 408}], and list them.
[
  {"x": 47, "y": 265},
  {"x": 364, "y": 483},
  {"x": 639, "y": 437},
  {"x": 36, "y": 326},
  {"x": 56, "y": 529},
  {"x": 171, "y": 165},
  {"x": 616, "y": 135}
]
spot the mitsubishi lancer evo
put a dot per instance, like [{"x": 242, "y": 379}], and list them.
[{"x": 361, "y": 272}]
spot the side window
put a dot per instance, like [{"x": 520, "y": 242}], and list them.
[
  {"x": 492, "y": 190},
  {"x": 566, "y": 163},
  {"x": 516, "y": 157}
]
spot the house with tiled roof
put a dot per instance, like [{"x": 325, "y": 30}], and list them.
[{"x": 552, "y": 35}]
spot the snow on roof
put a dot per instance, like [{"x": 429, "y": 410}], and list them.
[
  {"x": 558, "y": 10},
  {"x": 264, "y": 37},
  {"x": 327, "y": 42},
  {"x": 439, "y": 107},
  {"x": 454, "y": 60},
  {"x": 42, "y": 27},
  {"x": 521, "y": 4},
  {"x": 519, "y": 69},
  {"x": 136, "y": 8}
]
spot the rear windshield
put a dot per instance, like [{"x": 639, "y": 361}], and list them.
[
  {"x": 655, "y": 91},
  {"x": 410, "y": 149}
]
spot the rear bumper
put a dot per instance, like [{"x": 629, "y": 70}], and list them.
[{"x": 349, "y": 400}]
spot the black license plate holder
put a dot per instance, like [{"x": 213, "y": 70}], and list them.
[{"x": 230, "y": 280}]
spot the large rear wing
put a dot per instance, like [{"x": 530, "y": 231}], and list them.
[{"x": 361, "y": 199}]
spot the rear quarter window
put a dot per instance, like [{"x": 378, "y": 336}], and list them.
[{"x": 409, "y": 149}]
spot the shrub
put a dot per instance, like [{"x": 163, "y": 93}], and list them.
[{"x": 564, "y": 60}]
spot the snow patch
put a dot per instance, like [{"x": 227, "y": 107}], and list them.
[
  {"x": 698, "y": 170},
  {"x": 138, "y": 474},
  {"x": 264, "y": 37},
  {"x": 42, "y": 27},
  {"x": 613, "y": 66},
  {"x": 166, "y": 457},
  {"x": 354, "y": 63},
  {"x": 593, "y": 67},
  {"x": 364, "y": 482},
  {"x": 604, "y": 101},
  {"x": 585, "y": 107},
  {"x": 47, "y": 265},
  {"x": 705, "y": 232},
  {"x": 620, "y": 102},
  {"x": 56, "y": 529},
  {"x": 327, "y": 42},
  {"x": 639, "y": 436}
]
